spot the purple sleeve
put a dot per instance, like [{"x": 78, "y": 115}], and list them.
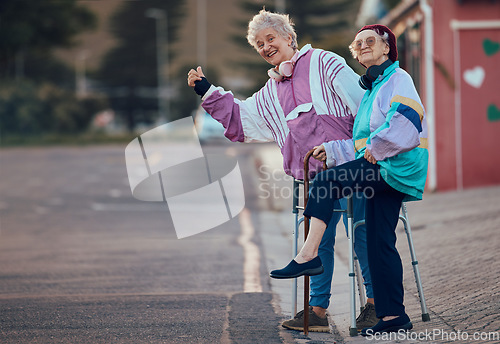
[
  {"x": 223, "y": 108},
  {"x": 403, "y": 122},
  {"x": 338, "y": 152}
]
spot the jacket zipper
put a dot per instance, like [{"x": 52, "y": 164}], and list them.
[{"x": 293, "y": 92}]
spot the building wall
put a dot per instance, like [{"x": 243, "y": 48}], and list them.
[{"x": 465, "y": 135}]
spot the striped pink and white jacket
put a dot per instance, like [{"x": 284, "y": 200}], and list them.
[{"x": 315, "y": 106}]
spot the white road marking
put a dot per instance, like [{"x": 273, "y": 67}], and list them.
[
  {"x": 251, "y": 265},
  {"x": 151, "y": 206},
  {"x": 115, "y": 193}
]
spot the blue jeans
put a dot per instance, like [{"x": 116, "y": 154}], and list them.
[{"x": 321, "y": 284}]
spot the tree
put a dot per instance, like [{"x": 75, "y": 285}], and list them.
[
  {"x": 29, "y": 30},
  {"x": 33, "y": 98},
  {"x": 128, "y": 73},
  {"x": 32, "y": 109},
  {"x": 323, "y": 23}
]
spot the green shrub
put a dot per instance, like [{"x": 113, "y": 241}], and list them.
[{"x": 29, "y": 109}]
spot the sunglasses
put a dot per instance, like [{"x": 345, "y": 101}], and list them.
[{"x": 357, "y": 44}]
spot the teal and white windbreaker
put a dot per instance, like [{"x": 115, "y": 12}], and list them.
[{"x": 391, "y": 122}]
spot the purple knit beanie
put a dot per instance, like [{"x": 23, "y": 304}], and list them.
[{"x": 380, "y": 29}]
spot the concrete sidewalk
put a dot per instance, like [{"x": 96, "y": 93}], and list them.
[{"x": 456, "y": 237}]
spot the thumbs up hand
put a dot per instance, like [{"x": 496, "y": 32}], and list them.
[{"x": 195, "y": 75}]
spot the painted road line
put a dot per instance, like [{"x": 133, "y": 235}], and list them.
[{"x": 251, "y": 265}]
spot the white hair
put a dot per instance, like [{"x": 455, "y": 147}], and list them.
[{"x": 281, "y": 23}]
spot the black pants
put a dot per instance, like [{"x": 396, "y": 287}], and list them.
[{"x": 383, "y": 204}]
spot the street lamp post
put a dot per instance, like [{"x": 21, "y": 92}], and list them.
[
  {"x": 161, "y": 59},
  {"x": 81, "y": 80},
  {"x": 202, "y": 33},
  {"x": 280, "y": 6}
]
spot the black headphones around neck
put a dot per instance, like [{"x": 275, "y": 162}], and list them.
[{"x": 372, "y": 73}]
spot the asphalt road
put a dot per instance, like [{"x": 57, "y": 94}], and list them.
[{"x": 82, "y": 261}]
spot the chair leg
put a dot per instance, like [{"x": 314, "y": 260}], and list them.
[
  {"x": 306, "y": 305},
  {"x": 294, "y": 254},
  {"x": 414, "y": 263},
  {"x": 359, "y": 275},
  {"x": 353, "y": 331},
  {"x": 359, "y": 282},
  {"x": 306, "y": 286},
  {"x": 298, "y": 222}
]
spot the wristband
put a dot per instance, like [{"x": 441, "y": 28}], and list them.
[{"x": 201, "y": 86}]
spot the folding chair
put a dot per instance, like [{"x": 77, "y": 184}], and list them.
[{"x": 353, "y": 262}]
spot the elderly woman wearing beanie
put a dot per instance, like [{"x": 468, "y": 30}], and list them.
[{"x": 390, "y": 139}]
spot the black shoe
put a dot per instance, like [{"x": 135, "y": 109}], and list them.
[
  {"x": 294, "y": 269},
  {"x": 400, "y": 323}
]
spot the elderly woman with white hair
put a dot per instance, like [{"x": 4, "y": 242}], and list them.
[{"x": 309, "y": 101}]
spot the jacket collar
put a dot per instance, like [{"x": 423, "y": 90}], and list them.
[
  {"x": 304, "y": 50},
  {"x": 388, "y": 71}
]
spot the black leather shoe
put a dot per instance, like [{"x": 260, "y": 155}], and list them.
[
  {"x": 400, "y": 323},
  {"x": 294, "y": 269}
]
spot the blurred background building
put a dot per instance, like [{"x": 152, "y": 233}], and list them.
[
  {"x": 79, "y": 68},
  {"x": 452, "y": 50}
]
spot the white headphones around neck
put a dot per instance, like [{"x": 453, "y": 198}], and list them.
[{"x": 285, "y": 69}]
